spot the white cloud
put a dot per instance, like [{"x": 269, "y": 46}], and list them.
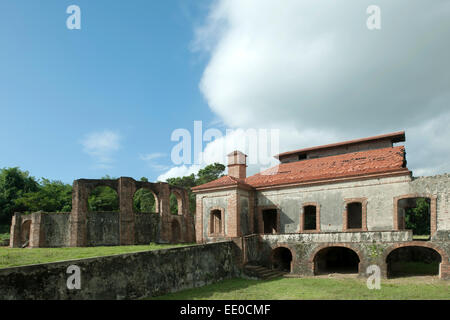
[
  {"x": 101, "y": 146},
  {"x": 314, "y": 70},
  {"x": 150, "y": 157},
  {"x": 180, "y": 171}
]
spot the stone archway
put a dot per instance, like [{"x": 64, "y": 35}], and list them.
[
  {"x": 282, "y": 259},
  {"x": 335, "y": 259}
]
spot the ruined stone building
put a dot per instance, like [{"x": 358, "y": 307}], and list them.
[
  {"x": 335, "y": 208},
  {"x": 81, "y": 227},
  {"x": 338, "y": 207}
]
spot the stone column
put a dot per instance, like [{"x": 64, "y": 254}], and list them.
[
  {"x": 199, "y": 218},
  {"x": 126, "y": 193},
  {"x": 165, "y": 228},
  {"x": 36, "y": 240},
  {"x": 233, "y": 221},
  {"x": 14, "y": 240},
  {"x": 78, "y": 215}
]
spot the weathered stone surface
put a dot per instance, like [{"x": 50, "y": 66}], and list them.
[{"x": 125, "y": 276}]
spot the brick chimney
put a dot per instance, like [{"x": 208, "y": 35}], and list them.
[{"x": 237, "y": 165}]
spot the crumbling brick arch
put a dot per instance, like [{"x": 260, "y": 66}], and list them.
[
  {"x": 276, "y": 249},
  {"x": 153, "y": 188},
  {"x": 398, "y": 224},
  {"x": 444, "y": 267},
  {"x": 182, "y": 201},
  {"x": 312, "y": 263}
]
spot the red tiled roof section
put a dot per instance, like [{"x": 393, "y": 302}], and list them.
[
  {"x": 345, "y": 165},
  {"x": 224, "y": 181},
  {"x": 387, "y": 160}
]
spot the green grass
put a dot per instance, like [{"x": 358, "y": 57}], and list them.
[
  {"x": 10, "y": 257},
  {"x": 316, "y": 288}
]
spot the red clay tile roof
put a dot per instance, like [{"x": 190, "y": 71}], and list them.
[
  {"x": 224, "y": 181},
  {"x": 340, "y": 166},
  {"x": 394, "y": 137},
  {"x": 387, "y": 160}
]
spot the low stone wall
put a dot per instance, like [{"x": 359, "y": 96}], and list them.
[{"x": 125, "y": 276}]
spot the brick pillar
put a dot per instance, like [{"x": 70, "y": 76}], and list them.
[
  {"x": 36, "y": 240},
  {"x": 444, "y": 271},
  {"x": 233, "y": 222},
  {"x": 189, "y": 236},
  {"x": 14, "y": 240},
  {"x": 78, "y": 215},
  {"x": 126, "y": 193},
  {"x": 165, "y": 234},
  {"x": 251, "y": 213},
  {"x": 199, "y": 218}
]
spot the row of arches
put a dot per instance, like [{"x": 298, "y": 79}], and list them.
[
  {"x": 411, "y": 260},
  {"x": 106, "y": 199}
]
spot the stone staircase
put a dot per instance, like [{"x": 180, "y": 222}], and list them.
[{"x": 262, "y": 272}]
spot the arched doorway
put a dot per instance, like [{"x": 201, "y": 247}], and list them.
[
  {"x": 336, "y": 260},
  {"x": 413, "y": 261},
  {"x": 282, "y": 259},
  {"x": 25, "y": 233},
  {"x": 176, "y": 231}
]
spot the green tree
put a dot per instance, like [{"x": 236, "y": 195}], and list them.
[
  {"x": 207, "y": 174},
  {"x": 14, "y": 183},
  {"x": 51, "y": 196},
  {"x": 418, "y": 218},
  {"x": 103, "y": 198},
  {"x": 144, "y": 201}
]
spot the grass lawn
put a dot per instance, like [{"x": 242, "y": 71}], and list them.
[
  {"x": 320, "y": 287},
  {"x": 19, "y": 257}
]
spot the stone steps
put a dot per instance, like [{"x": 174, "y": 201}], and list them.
[{"x": 262, "y": 272}]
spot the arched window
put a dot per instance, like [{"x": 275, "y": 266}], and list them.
[
  {"x": 216, "y": 222},
  {"x": 415, "y": 214},
  {"x": 176, "y": 203},
  {"x": 310, "y": 219},
  {"x": 145, "y": 201},
  {"x": 103, "y": 199},
  {"x": 355, "y": 215}
]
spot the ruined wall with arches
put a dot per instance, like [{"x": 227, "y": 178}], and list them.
[{"x": 125, "y": 226}]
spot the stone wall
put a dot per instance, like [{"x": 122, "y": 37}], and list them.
[
  {"x": 55, "y": 229},
  {"x": 125, "y": 276}
]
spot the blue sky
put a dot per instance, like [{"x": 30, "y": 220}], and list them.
[
  {"x": 129, "y": 71},
  {"x": 106, "y": 99}
]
